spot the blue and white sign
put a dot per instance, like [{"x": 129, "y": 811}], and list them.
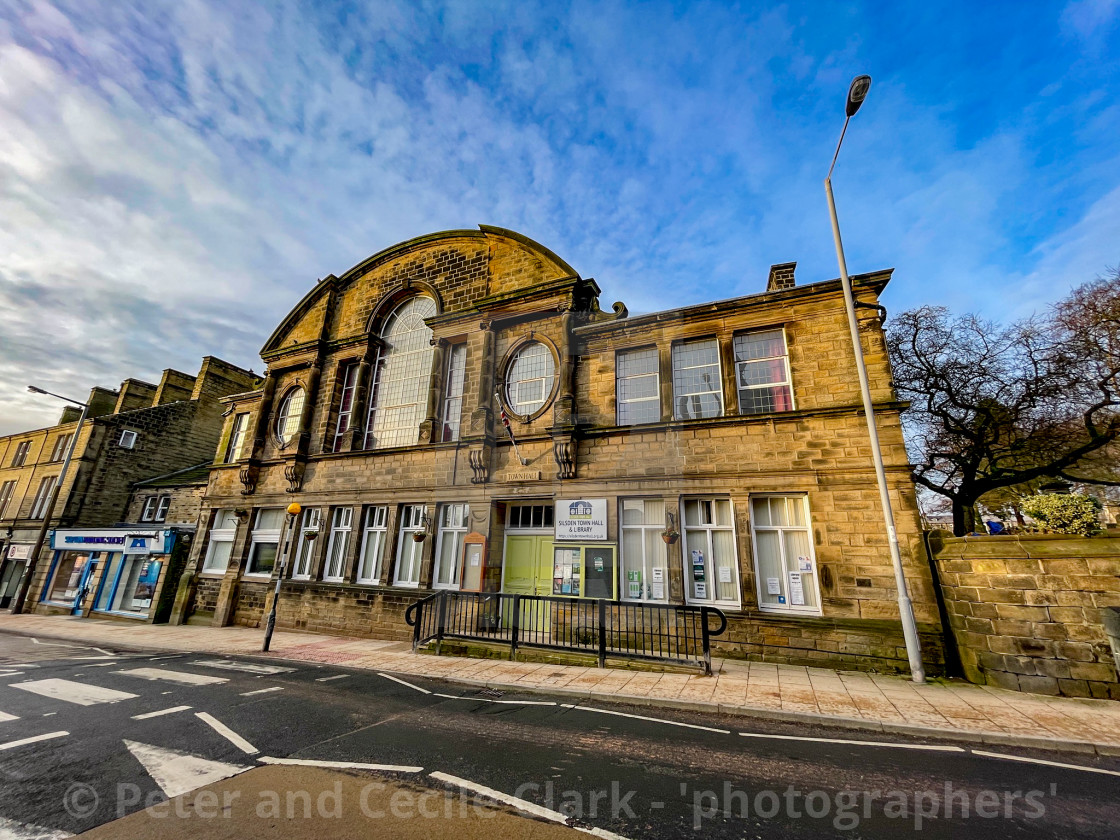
[
  {"x": 124, "y": 540},
  {"x": 581, "y": 519}
]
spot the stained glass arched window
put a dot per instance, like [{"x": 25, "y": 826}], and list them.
[{"x": 399, "y": 387}]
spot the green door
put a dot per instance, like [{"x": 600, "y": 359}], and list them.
[{"x": 528, "y": 571}]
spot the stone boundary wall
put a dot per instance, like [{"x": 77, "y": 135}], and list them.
[{"x": 1026, "y": 611}]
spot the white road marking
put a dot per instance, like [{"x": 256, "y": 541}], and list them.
[
  {"x": 172, "y": 676},
  {"x": 644, "y": 717},
  {"x": 339, "y": 765},
  {"x": 335, "y": 677},
  {"x": 1047, "y": 763},
  {"x": 18, "y": 665},
  {"x": 73, "y": 692},
  {"x": 100, "y": 664},
  {"x": 521, "y": 804},
  {"x": 161, "y": 712},
  {"x": 261, "y": 691},
  {"x": 402, "y": 682},
  {"x": 49, "y": 714},
  {"x": 488, "y": 700},
  {"x": 12, "y": 830},
  {"x": 11, "y": 673},
  {"x": 179, "y": 772},
  {"x": 35, "y": 641},
  {"x": 11, "y": 745},
  {"x": 934, "y": 747},
  {"x": 246, "y": 667},
  {"x": 227, "y": 733},
  {"x": 4, "y": 716}
]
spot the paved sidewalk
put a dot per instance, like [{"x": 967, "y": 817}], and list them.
[{"x": 946, "y": 710}]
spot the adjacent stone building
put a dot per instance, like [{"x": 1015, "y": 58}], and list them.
[
  {"x": 132, "y": 434},
  {"x": 714, "y": 454}
]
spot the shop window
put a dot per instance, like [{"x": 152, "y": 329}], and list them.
[
  {"x": 6, "y": 491},
  {"x": 644, "y": 570},
  {"x": 638, "y": 386},
  {"x": 697, "y": 387},
  {"x": 308, "y": 534},
  {"x": 220, "y": 548},
  {"x": 762, "y": 373},
  {"x": 265, "y": 541},
  {"x": 134, "y": 587},
  {"x": 530, "y": 377},
  {"x": 530, "y": 517},
  {"x": 60, "y": 444},
  {"x": 20, "y": 456},
  {"x": 289, "y": 414},
  {"x": 453, "y": 391},
  {"x": 711, "y": 562},
  {"x": 67, "y": 576},
  {"x": 339, "y": 542},
  {"x": 414, "y": 521},
  {"x": 43, "y": 497},
  {"x": 401, "y": 377},
  {"x": 349, "y": 380},
  {"x": 238, "y": 432},
  {"x": 373, "y": 544},
  {"x": 785, "y": 566},
  {"x": 453, "y": 525}
]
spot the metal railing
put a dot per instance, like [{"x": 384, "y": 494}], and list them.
[{"x": 658, "y": 632}]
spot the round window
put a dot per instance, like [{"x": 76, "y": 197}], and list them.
[
  {"x": 287, "y": 417},
  {"x": 529, "y": 378}
]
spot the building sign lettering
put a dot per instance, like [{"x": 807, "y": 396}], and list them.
[{"x": 581, "y": 519}]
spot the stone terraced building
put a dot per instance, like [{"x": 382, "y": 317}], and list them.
[{"x": 714, "y": 454}]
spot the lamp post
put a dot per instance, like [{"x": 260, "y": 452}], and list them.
[
  {"x": 857, "y": 92},
  {"x": 33, "y": 560},
  {"x": 294, "y": 510}
]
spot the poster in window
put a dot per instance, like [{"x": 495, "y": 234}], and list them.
[
  {"x": 599, "y": 576},
  {"x": 657, "y": 591},
  {"x": 796, "y": 590},
  {"x": 773, "y": 586},
  {"x": 146, "y": 585},
  {"x": 697, "y": 565},
  {"x": 633, "y": 584},
  {"x": 804, "y": 564},
  {"x": 725, "y": 574},
  {"x": 657, "y": 574},
  {"x": 701, "y": 590}
]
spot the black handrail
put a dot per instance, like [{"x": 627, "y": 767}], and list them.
[{"x": 598, "y": 626}]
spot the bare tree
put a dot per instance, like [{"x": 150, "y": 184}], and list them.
[{"x": 994, "y": 406}]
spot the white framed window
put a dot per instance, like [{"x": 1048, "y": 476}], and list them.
[
  {"x": 697, "y": 386},
  {"x": 43, "y": 496},
  {"x": 454, "y": 520},
  {"x": 711, "y": 562},
  {"x": 349, "y": 380},
  {"x": 410, "y": 550},
  {"x": 60, "y": 444},
  {"x": 20, "y": 456},
  {"x": 6, "y": 491},
  {"x": 162, "y": 507},
  {"x": 529, "y": 378},
  {"x": 762, "y": 372},
  {"x": 373, "y": 544},
  {"x": 265, "y": 541},
  {"x": 148, "y": 514},
  {"x": 127, "y": 439},
  {"x": 220, "y": 548},
  {"x": 644, "y": 569},
  {"x": 237, "y": 435},
  {"x": 306, "y": 540},
  {"x": 398, "y": 396},
  {"x": 288, "y": 415},
  {"x": 637, "y": 386},
  {"x": 339, "y": 542},
  {"x": 453, "y": 391},
  {"x": 784, "y": 560}
]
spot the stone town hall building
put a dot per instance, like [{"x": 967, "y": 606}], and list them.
[{"x": 735, "y": 425}]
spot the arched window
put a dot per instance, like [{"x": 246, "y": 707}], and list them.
[
  {"x": 529, "y": 378},
  {"x": 287, "y": 416},
  {"x": 399, "y": 395}
]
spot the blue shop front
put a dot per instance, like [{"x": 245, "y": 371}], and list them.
[{"x": 111, "y": 572}]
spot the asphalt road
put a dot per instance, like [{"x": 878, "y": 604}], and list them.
[{"x": 88, "y": 735}]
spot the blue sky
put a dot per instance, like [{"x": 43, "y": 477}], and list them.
[{"x": 174, "y": 177}]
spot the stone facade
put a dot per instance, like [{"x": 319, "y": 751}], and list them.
[
  {"x": 1026, "y": 611},
  {"x": 708, "y": 454}
]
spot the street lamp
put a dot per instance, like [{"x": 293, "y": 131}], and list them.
[
  {"x": 294, "y": 510},
  {"x": 33, "y": 560},
  {"x": 857, "y": 92}
]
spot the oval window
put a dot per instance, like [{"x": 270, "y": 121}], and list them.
[
  {"x": 287, "y": 417},
  {"x": 529, "y": 379}
]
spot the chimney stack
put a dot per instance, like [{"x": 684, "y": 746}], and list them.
[{"x": 781, "y": 277}]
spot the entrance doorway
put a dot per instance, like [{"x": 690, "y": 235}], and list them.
[
  {"x": 527, "y": 561},
  {"x": 9, "y": 583}
]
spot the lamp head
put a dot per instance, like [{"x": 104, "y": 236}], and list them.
[
  {"x": 857, "y": 92},
  {"x": 294, "y": 509},
  {"x": 35, "y": 390}
]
